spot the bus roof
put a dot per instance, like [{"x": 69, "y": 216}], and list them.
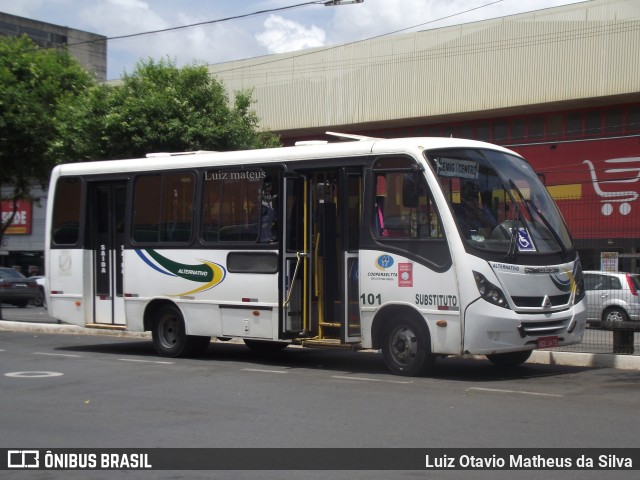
[{"x": 159, "y": 161}]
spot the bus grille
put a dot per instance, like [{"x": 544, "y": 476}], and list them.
[
  {"x": 536, "y": 302},
  {"x": 537, "y": 329}
]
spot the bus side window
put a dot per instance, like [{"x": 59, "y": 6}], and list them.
[
  {"x": 389, "y": 221},
  {"x": 65, "y": 225},
  {"x": 267, "y": 212},
  {"x": 239, "y": 206},
  {"x": 163, "y": 209},
  {"x": 403, "y": 208}
]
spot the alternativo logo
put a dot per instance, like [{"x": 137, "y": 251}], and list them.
[{"x": 208, "y": 273}]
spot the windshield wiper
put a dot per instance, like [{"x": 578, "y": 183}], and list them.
[
  {"x": 513, "y": 245},
  {"x": 552, "y": 230}
]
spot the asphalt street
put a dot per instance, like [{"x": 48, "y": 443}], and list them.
[
  {"x": 37, "y": 319},
  {"x": 70, "y": 387}
]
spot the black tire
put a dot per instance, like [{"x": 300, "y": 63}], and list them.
[
  {"x": 614, "y": 314},
  {"x": 265, "y": 346},
  {"x": 39, "y": 301},
  {"x": 406, "y": 347},
  {"x": 170, "y": 338},
  {"x": 509, "y": 359}
]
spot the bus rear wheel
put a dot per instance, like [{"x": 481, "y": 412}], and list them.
[
  {"x": 406, "y": 347},
  {"x": 170, "y": 338}
]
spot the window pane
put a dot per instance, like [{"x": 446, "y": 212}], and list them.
[
  {"x": 536, "y": 128},
  {"x": 177, "y": 207},
  {"x": 354, "y": 193},
  {"x": 516, "y": 133},
  {"x": 466, "y": 131},
  {"x": 434, "y": 131},
  {"x": 613, "y": 121},
  {"x": 403, "y": 208},
  {"x": 65, "y": 226},
  {"x": 574, "y": 125},
  {"x": 240, "y": 207},
  {"x": 554, "y": 126},
  {"x": 483, "y": 132},
  {"x": 146, "y": 208},
  {"x": 593, "y": 122},
  {"x": 633, "y": 120},
  {"x": 212, "y": 186},
  {"x": 500, "y": 131}
]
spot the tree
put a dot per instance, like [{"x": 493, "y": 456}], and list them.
[
  {"x": 36, "y": 85},
  {"x": 159, "y": 108}
]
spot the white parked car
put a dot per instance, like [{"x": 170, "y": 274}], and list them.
[{"x": 612, "y": 297}]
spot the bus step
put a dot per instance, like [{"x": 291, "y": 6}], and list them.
[
  {"x": 106, "y": 326},
  {"x": 330, "y": 343}
]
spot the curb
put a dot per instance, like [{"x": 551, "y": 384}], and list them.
[
  {"x": 10, "y": 326},
  {"x": 593, "y": 360},
  {"x": 540, "y": 357}
]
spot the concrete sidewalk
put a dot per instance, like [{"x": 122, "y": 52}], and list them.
[{"x": 36, "y": 320}]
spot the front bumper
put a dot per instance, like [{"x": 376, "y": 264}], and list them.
[{"x": 491, "y": 329}]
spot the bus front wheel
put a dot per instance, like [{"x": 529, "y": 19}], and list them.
[
  {"x": 406, "y": 347},
  {"x": 170, "y": 338}
]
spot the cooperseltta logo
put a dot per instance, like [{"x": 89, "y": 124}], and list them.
[
  {"x": 384, "y": 261},
  {"x": 208, "y": 273}
]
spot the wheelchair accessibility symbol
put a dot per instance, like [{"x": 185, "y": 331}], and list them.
[{"x": 525, "y": 244}]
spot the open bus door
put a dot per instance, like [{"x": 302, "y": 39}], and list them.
[
  {"x": 319, "y": 281},
  {"x": 106, "y": 222},
  {"x": 351, "y": 221},
  {"x": 294, "y": 255}
]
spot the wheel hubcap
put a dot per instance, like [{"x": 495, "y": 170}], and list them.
[
  {"x": 169, "y": 331},
  {"x": 614, "y": 316},
  {"x": 404, "y": 345}
]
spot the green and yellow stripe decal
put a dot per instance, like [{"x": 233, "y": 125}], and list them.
[{"x": 208, "y": 273}]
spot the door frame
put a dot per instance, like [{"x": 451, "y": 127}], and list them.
[{"x": 106, "y": 229}]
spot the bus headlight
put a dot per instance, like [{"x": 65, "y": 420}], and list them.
[{"x": 489, "y": 291}]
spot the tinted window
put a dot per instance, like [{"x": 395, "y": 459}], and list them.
[
  {"x": 65, "y": 225},
  {"x": 590, "y": 281},
  {"x": 614, "y": 283},
  {"x": 163, "y": 208},
  {"x": 239, "y": 206},
  {"x": 10, "y": 273},
  {"x": 602, "y": 282},
  {"x": 404, "y": 208}
]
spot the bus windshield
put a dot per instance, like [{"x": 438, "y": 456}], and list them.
[{"x": 499, "y": 203}]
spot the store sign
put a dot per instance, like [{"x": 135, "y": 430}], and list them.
[
  {"x": 609, "y": 261},
  {"x": 21, "y": 224}
]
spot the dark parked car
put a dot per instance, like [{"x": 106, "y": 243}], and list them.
[
  {"x": 40, "y": 300},
  {"x": 16, "y": 289}
]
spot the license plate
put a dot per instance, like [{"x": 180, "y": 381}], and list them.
[
  {"x": 547, "y": 342},
  {"x": 21, "y": 285}
]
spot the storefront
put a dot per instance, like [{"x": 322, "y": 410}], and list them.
[{"x": 23, "y": 242}]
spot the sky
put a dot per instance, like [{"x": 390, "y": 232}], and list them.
[{"x": 276, "y": 30}]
